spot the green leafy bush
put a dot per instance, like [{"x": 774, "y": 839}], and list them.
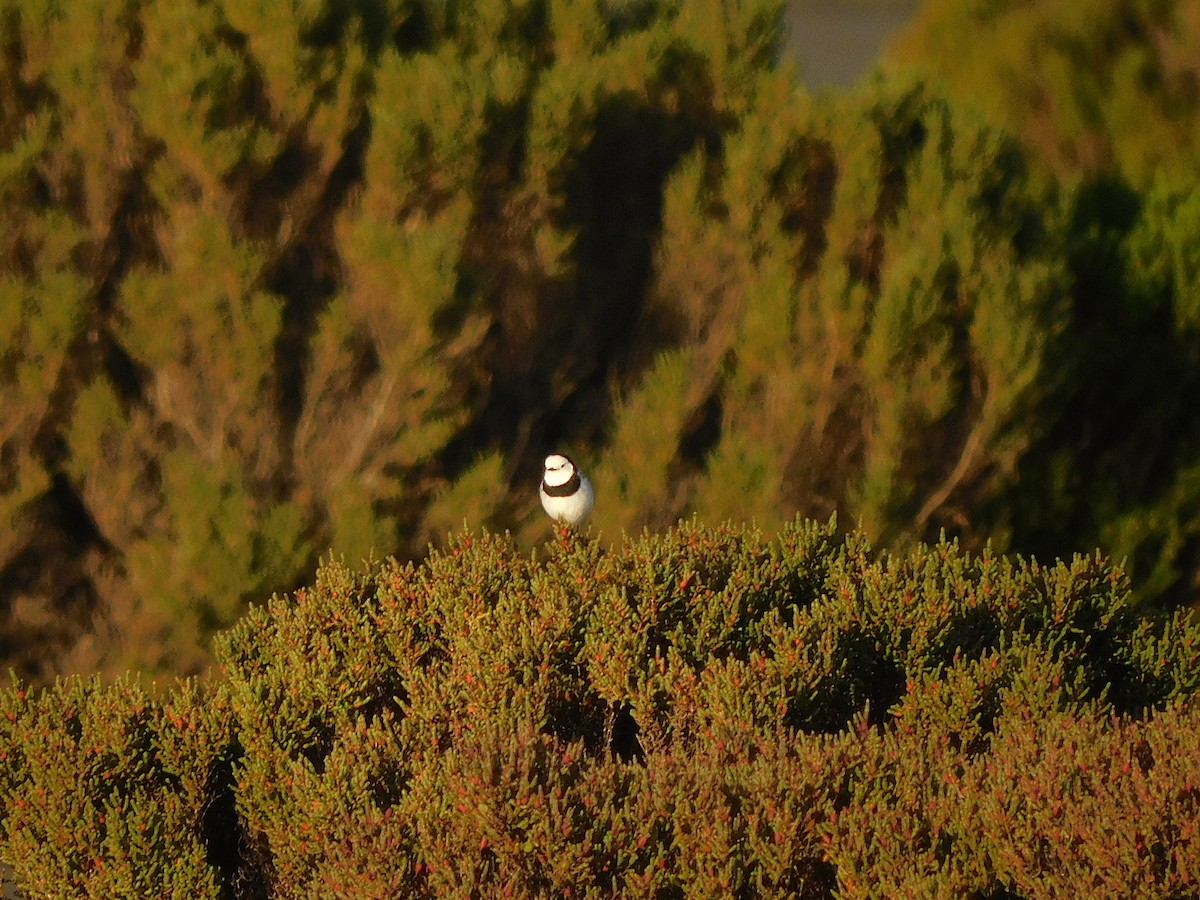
[
  {"x": 705, "y": 712},
  {"x": 116, "y": 792},
  {"x": 1103, "y": 98},
  {"x": 863, "y": 299},
  {"x": 1092, "y": 89}
]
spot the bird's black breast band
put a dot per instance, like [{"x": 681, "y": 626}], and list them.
[{"x": 566, "y": 489}]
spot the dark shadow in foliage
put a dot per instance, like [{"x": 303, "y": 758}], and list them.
[
  {"x": 495, "y": 265},
  {"x": 868, "y": 679},
  {"x": 970, "y": 635},
  {"x": 415, "y": 31},
  {"x": 804, "y": 184},
  {"x": 1123, "y": 412},
  {"x": 629, "y": 17},
  {"x": 902, "y": 132},
  {"x": 51, "y": 566},
  {"x": 61, "y": 530},
  {"x": 316, "y": 744},
  {"x": 307, "y": 275},
  {"x": 615, "y": 198},
  {"x": 388, "y": 696},
  {"x": 815, "y": 879},
  {"x": 227, "y": 849},
  {"x": 126, "y": 377},
  {"x": 1131, "y": 691},
  {"x": 624, "y": 730},
  {"x": 304, "y": 278},
  {"x": 701, "y": 432},
  {"x": 808, "y": 575},
  {"x": 1004, "y": 181},
  {"x": 874, "y": 677},
  {"x": 1128, "y": 690},
  {"x": 571, "y": 719},
  {"x": 372, "y": 21},
  {"x": 1139, "y": 693}
]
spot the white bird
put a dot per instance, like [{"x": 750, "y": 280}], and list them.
[{"x": 567, "y": 495}]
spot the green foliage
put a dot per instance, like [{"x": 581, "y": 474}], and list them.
[
  {"x": 1103, "y": 97},
  {"x": 480, "y": 488},
  {"x": 113, "y": 792},
  {"x": 705, "y": 712},
  {"x": 863, "y": 323},
  {"x": 1119, "y": 451},
  {"x": 1104, "y": 100},
  {"x": 1164, "y": 263},
  {"x": 1092, "y": 89}
]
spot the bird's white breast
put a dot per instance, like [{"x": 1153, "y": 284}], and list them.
[{"x": 574, "y": 508}]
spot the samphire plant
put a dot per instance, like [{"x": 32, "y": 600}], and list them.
[{"x": 707, "y": 711}]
